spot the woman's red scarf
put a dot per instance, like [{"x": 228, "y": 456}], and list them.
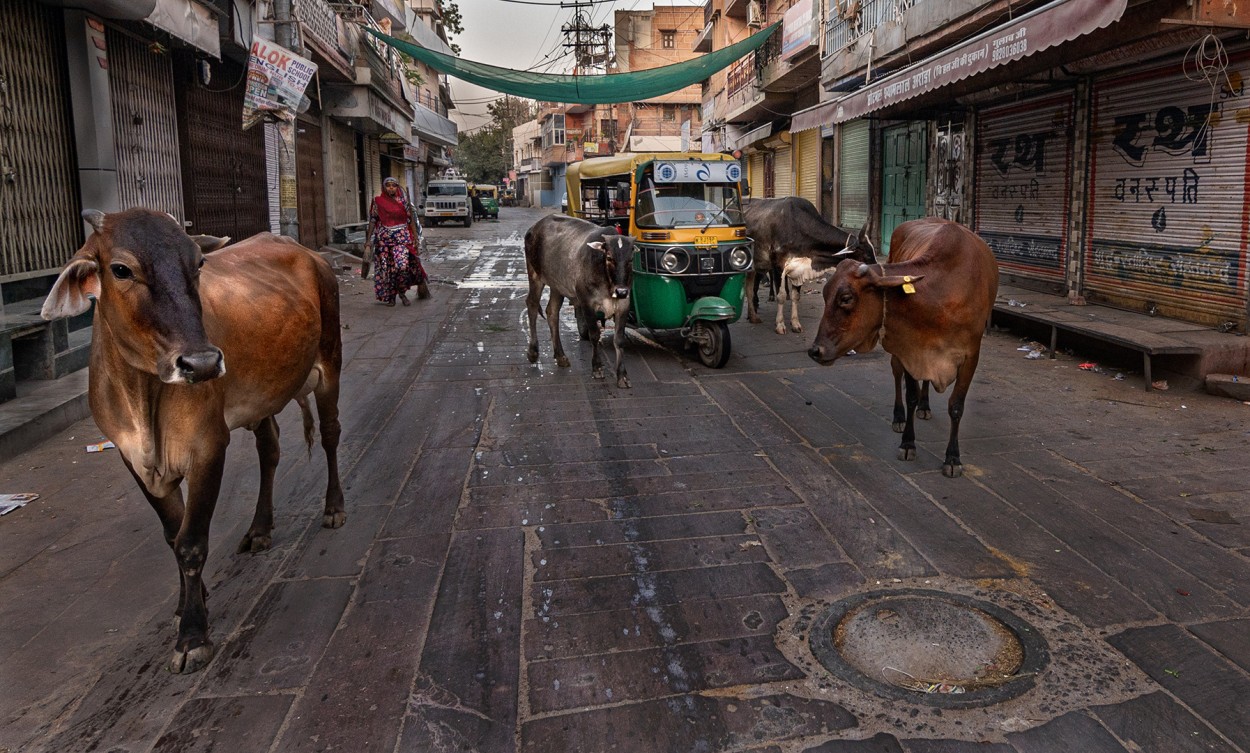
[{"x": 392, "y": 211}]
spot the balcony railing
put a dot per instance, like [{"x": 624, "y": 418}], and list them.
[
  {"x": 742, "y": 74},
  {"x": 430, "y": 101},
  {"x": 851, "y": 19},
  {"x": 323, "y": 23}
]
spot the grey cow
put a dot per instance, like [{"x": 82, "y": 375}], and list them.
[
  {"x": 593, "y": 268},
  {"x": 794, "y": 245}
]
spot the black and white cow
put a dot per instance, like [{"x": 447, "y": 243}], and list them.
[
  {"x": 591, "y": 266},
  {"x": 794, "y": 246}
]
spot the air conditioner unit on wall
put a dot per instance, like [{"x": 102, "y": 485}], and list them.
[{"x": 755, "y": 14}]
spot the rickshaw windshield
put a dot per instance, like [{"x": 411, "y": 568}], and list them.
[{"x": 671, "y": 205}]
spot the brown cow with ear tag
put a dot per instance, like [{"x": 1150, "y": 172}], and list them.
[
  {"x": 930, "y": 305},
  {"x": 186, "y": 347}
]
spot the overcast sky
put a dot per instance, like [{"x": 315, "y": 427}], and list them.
[{"x": 522, "y": 36}]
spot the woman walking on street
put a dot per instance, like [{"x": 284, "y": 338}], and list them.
[{"x": 393, "y": 237}]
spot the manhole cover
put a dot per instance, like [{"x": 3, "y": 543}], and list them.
[{"x": 929, "y": 647}]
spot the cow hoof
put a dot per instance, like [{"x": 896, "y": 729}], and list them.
[
  {"x": 623, "y": 383},
  {"x": 796, "y": 327},
  {"x": 532, "y": 354},
  {"x": 752, "y": 318},
  {"x": 334, "y": 519},
  {"x": 563, "y": 362},
  {"x": 254, "y": 542},
  {"x": 952, "y": 469},
  {"x": 924, "y": 414},
  {"x": 898, "y": 427},
  {"x": 597, "y": 374},
  {"x": 781, "y": 329},
  {"x": 907, "y": 453},
  {"x": 186, "y": 661}
]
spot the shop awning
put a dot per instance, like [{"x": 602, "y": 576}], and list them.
[
  {"x": 750, "y": 137},
  {"x": 1051, "y": 25}
]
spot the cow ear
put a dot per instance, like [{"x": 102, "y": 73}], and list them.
[
  {"x": 596, "y": 245},
  {"x": 69, "y": 294},
  {"x": 209, "y": 243}
]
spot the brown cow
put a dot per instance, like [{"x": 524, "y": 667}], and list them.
[
  {"x": 794, "y": 246},
  {"x": 187, "y": 346},
  {"x": 930, "y": 305}
]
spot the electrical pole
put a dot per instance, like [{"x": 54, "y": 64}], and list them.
[
  {"x": 589, "y": 43},
  {"x": 288, "y": 204}
]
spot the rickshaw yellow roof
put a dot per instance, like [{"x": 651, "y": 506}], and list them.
[{"x": 624, "y": 164}]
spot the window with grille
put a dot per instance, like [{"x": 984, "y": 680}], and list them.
[{"x": 668, "y": 39}]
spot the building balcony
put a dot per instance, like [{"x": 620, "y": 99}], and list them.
[
  {"x": 737, "y": 8},
  {"x": 746, "y": 99},
  {"x": 433, "y": 126},
  {"x": 325, "y": 32},
  {"x": 703, "y": 42},
  {"x": 392, "y": 10},
  {"x": 891, "y": 32}
]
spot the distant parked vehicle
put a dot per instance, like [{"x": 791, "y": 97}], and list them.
[
  {"x": 447, "y": 199},
  {"x": 485, "y": 199}
]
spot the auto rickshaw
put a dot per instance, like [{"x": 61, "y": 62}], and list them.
[
  {"x": 692, "y": 253},
  {"x": 487, "y": 200}
]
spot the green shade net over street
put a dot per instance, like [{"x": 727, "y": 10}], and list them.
[{"x": 634, "y": 86}]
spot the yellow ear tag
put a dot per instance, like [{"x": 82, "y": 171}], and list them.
[{"x": 908, "y": 288}]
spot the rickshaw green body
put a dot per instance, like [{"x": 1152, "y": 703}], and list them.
[
  {"x": 489, "y": 196},
  {"x": 705, "y": 293},
  {"x": 660, "y": 302}
]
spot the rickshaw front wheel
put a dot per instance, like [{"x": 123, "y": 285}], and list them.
[{"x": 712, "y": 341}]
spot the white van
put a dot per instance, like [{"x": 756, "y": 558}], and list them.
[{"x": 447, "y": 200}]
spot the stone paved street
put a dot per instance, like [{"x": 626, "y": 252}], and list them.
[{"x": 536, "y": 561}]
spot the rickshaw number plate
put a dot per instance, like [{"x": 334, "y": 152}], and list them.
[{"x": 705, "y": 241}]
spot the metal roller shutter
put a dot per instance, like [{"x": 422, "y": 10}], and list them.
[
  {"x": 273, "y": 142},
  {"x": 39, "y": 225},
  {"x": 223, "y": 166},
  {"x": 1168, "y": 198},
  {"x": 755, "y": 174},
  {"x": 807, "y": 162},
  {"x": 783, "y": 171},
  {"x": 1024, "y": 169},
  {"x": 853, "y": 174},
  {"x": 145, "y": 126}
]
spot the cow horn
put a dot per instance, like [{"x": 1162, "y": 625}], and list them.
[
  {"x": 844, "y": 252},
  {"x": 94, "y": 218}
]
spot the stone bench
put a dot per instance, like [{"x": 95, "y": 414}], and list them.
[
  {"x": 34, "y": 349},
  {"x": 1122, "y": 328}
]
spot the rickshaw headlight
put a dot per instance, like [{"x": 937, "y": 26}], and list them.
[
  {"x": 739, "y": 258},
  {"x": 674, "y": 261}
]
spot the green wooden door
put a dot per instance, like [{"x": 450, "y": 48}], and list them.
[{"x": 902, "y": 177}]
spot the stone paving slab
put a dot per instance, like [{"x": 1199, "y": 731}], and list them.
[{"x": 538, "y": 561}]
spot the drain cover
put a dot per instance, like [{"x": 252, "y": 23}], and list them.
[{"x": 929, "y": 647}]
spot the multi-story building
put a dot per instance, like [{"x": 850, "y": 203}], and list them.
[
  {"x": 527, "y": 163},
  {"x": 746, "y": 108},
  {"x": 648, "y": 39}
]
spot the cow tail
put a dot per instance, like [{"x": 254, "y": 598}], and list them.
[{"x": 309, "y": 425}]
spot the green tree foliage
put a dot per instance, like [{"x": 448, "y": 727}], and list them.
[
  {"x": 453, "y": 22},
  {"x": 486, "y": 154}
]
